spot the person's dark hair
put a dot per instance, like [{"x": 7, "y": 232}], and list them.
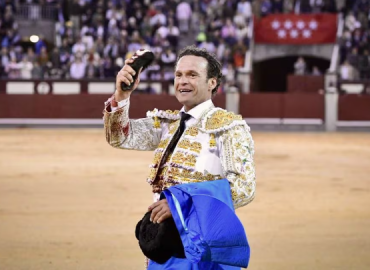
[{"x": 213, "y": 67}]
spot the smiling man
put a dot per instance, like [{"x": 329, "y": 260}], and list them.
[{"x": 199, "y": 143}]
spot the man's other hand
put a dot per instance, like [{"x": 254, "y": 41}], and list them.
[{"x": 160, "y": 211}]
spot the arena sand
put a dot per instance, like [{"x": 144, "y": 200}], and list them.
[{"x": 70, "y": 201}]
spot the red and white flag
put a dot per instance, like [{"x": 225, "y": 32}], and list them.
[{"x": 299, "y": 29}]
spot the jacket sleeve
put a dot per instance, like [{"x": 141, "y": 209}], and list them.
[
  {"x": 236, "y": 153},
  {"x": 122, "y": 132}
]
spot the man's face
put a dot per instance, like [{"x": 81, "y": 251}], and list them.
[{"x": 191, "y": 84}]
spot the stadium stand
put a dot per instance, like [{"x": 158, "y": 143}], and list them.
[
  {"x": 59, "y": 53},
  {"x": 355, "y": 42},
  {"x": 93, "y": 37}
]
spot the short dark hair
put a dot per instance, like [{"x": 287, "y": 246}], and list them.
[{"x": 213, "y": 67}]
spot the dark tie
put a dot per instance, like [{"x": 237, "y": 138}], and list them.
[{"x": 176, "y": 137}]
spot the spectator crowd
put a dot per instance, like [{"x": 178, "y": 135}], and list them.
[
  {"x": 355, "y": 42},
  {"x": 93, "y": 37}
]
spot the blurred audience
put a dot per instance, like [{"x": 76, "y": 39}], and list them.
[
  {"x": 355, "y": 41},
  {"x": 266, "y": 7},
  {"x": 347, "y": 71},
  {"x": 316, "y": 71},
  {"x": 300, "y": 66},
  {"x": 94, "y": 36}
]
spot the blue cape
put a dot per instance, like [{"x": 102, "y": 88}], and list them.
[{"x": 212, "y": 235}]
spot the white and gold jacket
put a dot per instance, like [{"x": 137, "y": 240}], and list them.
[{"x": 216, "y": 144}]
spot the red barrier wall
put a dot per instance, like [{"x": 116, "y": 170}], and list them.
[
  {"x": 261, "y": 105},
  {"x": 83, "y": 105},
  {"x": 354, "y": 108},
  {"x": 282, "y": 105},
  {"x": 51, "y": 106},
  {"x": 303, "y": 105},
  {"x": 256, "y": 105},
  {"x": 305, "y": 83}
]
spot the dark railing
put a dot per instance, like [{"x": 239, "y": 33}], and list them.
[{"x": 36, "y": 12}]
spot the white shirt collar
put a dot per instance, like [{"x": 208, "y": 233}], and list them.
[{"x": 198, "y": 110}]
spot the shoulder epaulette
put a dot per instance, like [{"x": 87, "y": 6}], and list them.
[
  {"x": 217, "y": 120},
  {"x": 168, "y": 114}
]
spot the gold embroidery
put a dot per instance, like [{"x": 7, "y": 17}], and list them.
[
  {"x": 157, "y": 158},
  {"x": 173, "y": 127},
  {"x": 185, "y": 144},
  {"x": 168, "y": 177},
  {"x": 190, "y": 160},
  {"x": 157, "y": 124},
  {"x": 168, "y": 114},
  {"x": 152, "y": 174},
  {"x": 192, "y": 131},
  {"x": 175, "y": 171},
  {"x": 221, "y": 119},
  {"x": 194, "y": 146},
  {"x": 164, "y": 171},
  {"x": 168, "y": 158},
  {"x": 197, "y": 175},
  {"x": 186, "y": 175},
  {"x": 178, "y": 158},
  {"x": 209, "y": 177},
  {"x": 175, "y": 112},
  {"x": 239, "y": 158},
  {"x": 106, "y": 125},
  {"x": 212, "y": 141},
  {"x": 163, "y": 143},
  {"x": 181, "y": 175},
  {"x": 234, "y": 195}
]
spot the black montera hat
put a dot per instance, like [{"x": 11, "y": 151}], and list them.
[{"x": 159, "y": 242}]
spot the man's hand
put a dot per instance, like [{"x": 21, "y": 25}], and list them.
[
  {"x": 125, "y": 75},
  {"x": 160, "y": 211}
]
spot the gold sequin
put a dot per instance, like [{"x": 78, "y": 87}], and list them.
[
  {"x": 173, "y": 127},
  {"x": 197, "y": 175},
  {"x": 164, "y": 171},
  {"x": 221, "y": 119},
  {"x": 175, "y": 112},
  {"x": 190, "y": 160},
  {"x": 163, "y": 143},
  {"x": 186, "y": 175},
  {"x": 212, "y": 141},
  {"x": 196, "y": 147},
  {"x": 168, "y": 114},
  {"x": 152, "y": 174},
  {"x": 178, "y": 158},
  {"x": 157, "y": 158},
  {"x": 185, "y": 144},
  {"x": 234, "y": 195},
  {"x": 209, "y": 177},
  {"x": 168, "y": 177},
  {"x": 156, "y": 124},
  {"x": 191, "y": 131}
]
